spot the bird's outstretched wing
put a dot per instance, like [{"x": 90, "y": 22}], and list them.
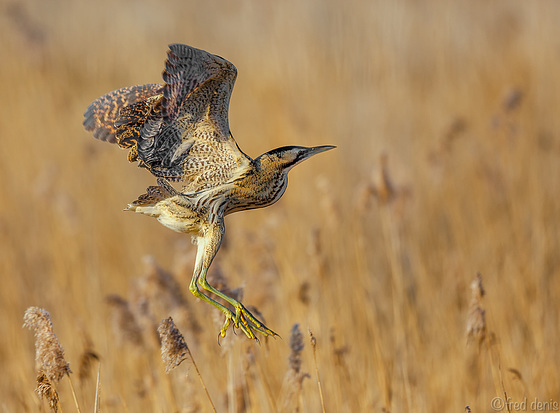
[
  {"x": 182, "y": 132},
  {"x": 101, "y": 115}
]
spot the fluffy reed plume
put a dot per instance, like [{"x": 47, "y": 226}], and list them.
[
  {"x": 46, "y": 391},
  {"x": 476, "y": 321},
  {"x": 49, "y": 354},
  {"x": 293, "y": 382},
  {"x": 174, "y": 350},
  {"x": 125, "y": 325},
  {"x": 296, "y": 347}
]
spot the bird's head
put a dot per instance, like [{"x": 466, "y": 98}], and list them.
[{"x": 287, "y": 157}]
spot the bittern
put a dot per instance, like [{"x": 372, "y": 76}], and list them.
[{"x": 179, "y": 131}]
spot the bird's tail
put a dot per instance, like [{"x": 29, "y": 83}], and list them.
[{"x": 146, "y": 202}]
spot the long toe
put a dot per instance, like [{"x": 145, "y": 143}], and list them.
[{"x": 250, "y": 323}]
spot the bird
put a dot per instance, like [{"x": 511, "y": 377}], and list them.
[{"x": 179, "y": 131}]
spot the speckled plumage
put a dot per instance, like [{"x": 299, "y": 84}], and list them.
[{"x": 179, "y": 131}]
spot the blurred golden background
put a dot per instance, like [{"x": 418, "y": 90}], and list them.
[{"x": 445, "y": 115}]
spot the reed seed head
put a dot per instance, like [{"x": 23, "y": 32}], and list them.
[
  {"x": 174, "y": 349},
  {"x": 49, "y": 354},
  {"x": 312, "y": 339},
  {"x": 46, "y": 391},
  {"x": 296, "y": 347},
  {"x": 476, "y": 322},
  {"x": 293, "y": 381}
]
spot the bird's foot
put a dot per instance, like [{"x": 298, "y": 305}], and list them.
[{"x": 247, "y": 322}]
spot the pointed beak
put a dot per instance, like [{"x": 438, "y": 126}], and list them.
[
  {"x": 318, "y": 149},
  {"x": 298, "y": 154}
]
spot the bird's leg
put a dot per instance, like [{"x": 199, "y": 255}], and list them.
[
  {"x": 193, "y": 287},
  {"x": 244, "y": 319},
  {"x": 208, "y": 245}
]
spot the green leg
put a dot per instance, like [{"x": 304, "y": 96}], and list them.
[
  {"x": 243, "y": 317},
  {"x": 193, "y": 287},
  {"x": 208, "y": 244}
]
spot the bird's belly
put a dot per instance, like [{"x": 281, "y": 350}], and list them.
[
  {"x": 179, "y": 217},
  {"x": 179, "y": 225}
]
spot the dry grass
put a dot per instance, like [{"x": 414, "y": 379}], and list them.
[{"x": 445, "y": 115}]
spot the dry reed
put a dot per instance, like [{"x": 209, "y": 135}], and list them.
[
  {"x": 476, "y": 321},
  {"x": 174, "y": 351},
  {"x": 293, "y": 381},
  {"x": 46, "y": 391},
  {"x": 49, "y": 354},
  {"x": 313, "y": 342}
]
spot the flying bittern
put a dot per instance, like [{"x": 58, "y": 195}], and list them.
[{"x": 179, "y": 131}]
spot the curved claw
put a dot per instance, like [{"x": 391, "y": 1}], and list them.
[
  {"x": 229, "y": 318},
  {"x": 247, "y": 322}
]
